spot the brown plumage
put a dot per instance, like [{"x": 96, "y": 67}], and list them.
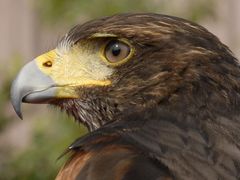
[
  {"x": 171, "y": 112},
  {"x": 111, "y": 158}
]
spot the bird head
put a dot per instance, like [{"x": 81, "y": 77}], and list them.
[{"x": 126, "y": 63}]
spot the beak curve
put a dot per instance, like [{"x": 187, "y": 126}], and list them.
[{"x": 31, "y": 86}]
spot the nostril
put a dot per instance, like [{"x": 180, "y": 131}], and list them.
[{"x": 47, "y": 64}]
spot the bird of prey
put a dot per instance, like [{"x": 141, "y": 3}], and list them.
[{"x": 160, "y": 96}]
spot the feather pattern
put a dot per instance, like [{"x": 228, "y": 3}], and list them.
[{"x": 175, "y": 102}]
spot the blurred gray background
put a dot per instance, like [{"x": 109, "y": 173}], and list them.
[{"x": 28, "y": 28}]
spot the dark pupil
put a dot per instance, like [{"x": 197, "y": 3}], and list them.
[{"x": 116, "y": 50}]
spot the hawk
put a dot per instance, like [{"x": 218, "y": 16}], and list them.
[{"x": 159, "y": 95}]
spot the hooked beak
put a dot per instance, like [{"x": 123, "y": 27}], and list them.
[
  {"x": 50, "y": 77},
  {"x": 31, "y": 86}
]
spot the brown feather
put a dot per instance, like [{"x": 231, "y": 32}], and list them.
[{"x": 175, "y": 102}]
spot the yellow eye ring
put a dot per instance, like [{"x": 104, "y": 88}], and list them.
[{"x": 116, "y": 52}]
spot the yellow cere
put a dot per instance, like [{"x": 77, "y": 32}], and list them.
[
  {"x": 46, "y": 58},
  {"x": 80, "y": 66}
]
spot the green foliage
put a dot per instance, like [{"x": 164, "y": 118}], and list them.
[
  {"x": 64, "y": 10},
  {"x": 5, "y": 88},
  {"x": 67, "y": 11},
  {"x": 202, "y": 9},
  {"x": 51, "y": 136}
]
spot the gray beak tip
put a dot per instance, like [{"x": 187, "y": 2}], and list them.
[
  {"x": 19, "y": 113},
  {"x": 16, "y": 103},
  {"x": 31, "y": 86}
]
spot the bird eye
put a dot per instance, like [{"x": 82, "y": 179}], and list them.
[{"x": 116, "y": 51}]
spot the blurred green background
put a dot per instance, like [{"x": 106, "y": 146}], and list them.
[{"x": 29, "y": 148}]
